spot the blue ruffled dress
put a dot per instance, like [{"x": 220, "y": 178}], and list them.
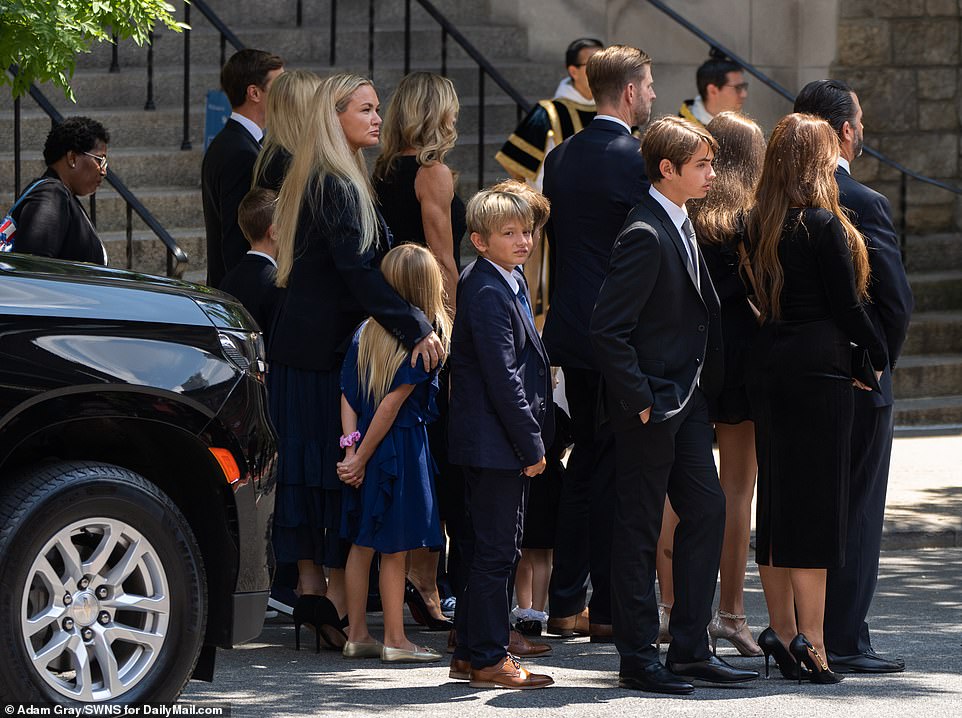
[{"x": 395, "y": 508}]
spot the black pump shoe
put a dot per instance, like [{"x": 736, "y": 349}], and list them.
[
  {"x": 772, "y": 646},
  {"x": 805, "y": 653},
  {"x": 320, "y": 615},
  {"x": 419, "y": 610}
]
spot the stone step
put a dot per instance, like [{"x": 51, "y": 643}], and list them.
[
  {"x": 311, "y": 44},
  {"x": 283, "y": 12},
  {"x": 135, "y": 166},
  {"x": 97, "y": 88},
  {"x": 163, "y": 128},
  {"x": 929, "y": 411},
  {"x": 149, "y": 254},
  {"x": 935, "y": 291},
  {"x": 934, "y": 333},
  {"x": 921, "y": 375},
  {"x": 933, "y": 252}
]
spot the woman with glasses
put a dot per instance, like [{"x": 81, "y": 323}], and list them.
[{"x": 51, "y": 221}]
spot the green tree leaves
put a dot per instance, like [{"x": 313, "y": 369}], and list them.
[{"x": 43, "y": 37}]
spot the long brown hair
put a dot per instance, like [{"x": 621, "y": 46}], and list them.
[
  {"x": 414, "y": 274},
  {"x": 738, "y": 164},
  {"x": 799, "y": 172}
]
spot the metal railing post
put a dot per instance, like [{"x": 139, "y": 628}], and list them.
[
  {"x": 444, "y": 52},
  {"x": 130, "y": 236},
  {"x": 16, "y": 146},
  {"x": 407, "y": 36},
  {"x": 300, "y": 13},
  {"x": 114, "y": 59},
  {"x": 333, "y": 32},
  {"x": 185, "y": 144},
  {"x": 903, "y": 211},
  {"x": 149, "y": 104},
  {"x": 370, "y": 40},
  {"x": 480, "y": 127}
]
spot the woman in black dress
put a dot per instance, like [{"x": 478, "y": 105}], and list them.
[
  {"x": 288, "y": 109},
  {"x": 330, "y": 241},
  {"x": 415, "y": 193},
  {"x": 810, "y": 273},
  {"x": 719, "y": 221},
  {"x": 51, "y": 221}
]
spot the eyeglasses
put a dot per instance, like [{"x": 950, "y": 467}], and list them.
[
  {"x": 102, "y": 161},
  {"x": 740, "y": 87}
]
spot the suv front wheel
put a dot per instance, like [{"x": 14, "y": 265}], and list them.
[{"x": 104, "y": 593}]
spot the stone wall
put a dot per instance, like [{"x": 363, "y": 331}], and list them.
[{"x": 902, "y": 58}]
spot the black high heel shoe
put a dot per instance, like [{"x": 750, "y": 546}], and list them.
[
  {"x": 419, "y": 610},
  {"x": 320, "y": 615},
  {"x": 772, "y": 646},
  {"x": 805, "y": 653}
]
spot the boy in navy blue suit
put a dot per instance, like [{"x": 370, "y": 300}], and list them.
[
  {"x": 252, "y": 280},
  {"x": 501, "y": 419}
]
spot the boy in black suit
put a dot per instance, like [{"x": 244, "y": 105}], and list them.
[
  {"x": 252, "y": 281},
  {"x": 501, "y": 419},
  {"x": 655, "y": 330}
]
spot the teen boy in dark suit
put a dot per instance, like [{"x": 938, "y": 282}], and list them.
[
  {"x": 850, "y": 589},
  {"x": 252, "y": 280},
  {"x": 228, "y": 166},
  {"x": 655, "y": 330},
  {"x": 501, "y": 419}
]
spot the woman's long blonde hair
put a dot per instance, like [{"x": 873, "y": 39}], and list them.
[
  {"x": 288, "y": 104},
  {"x": 322, "y": 151},
  {"x": 738, "y": 164},
  {"x": 421, "y": 117},
  {"x": 415, "y": 275},
  {"x": 799, "y": 172}
]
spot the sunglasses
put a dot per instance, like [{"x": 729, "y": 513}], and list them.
[{"x": 101, "y": 161}]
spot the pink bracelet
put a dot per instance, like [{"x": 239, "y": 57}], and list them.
[{"x": 350, "y": 439}]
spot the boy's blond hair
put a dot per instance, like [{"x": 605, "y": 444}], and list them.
[
  {"x": 540, "y": 206},
  {"x": 489, "y": 210}
]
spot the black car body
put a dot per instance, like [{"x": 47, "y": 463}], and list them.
[{"x": 133, "y": 437}]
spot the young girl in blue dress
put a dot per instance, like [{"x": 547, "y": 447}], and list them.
[{"x": 389, "y": 506}]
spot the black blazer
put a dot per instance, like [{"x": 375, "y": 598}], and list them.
[
  {"x": 501, "y": 411},
  {"x": 332, "y": 288},
  {"x": 251, "y": 282},
  {"x": 51, "y": 222},
  {"x": 226, "y": 175},
  {"x": 593, "y": 180},
  {"x": 651, "y": 328},
  {"x": 890, "y": 308}
]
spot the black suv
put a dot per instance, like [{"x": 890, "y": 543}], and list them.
[{"x": 136, "y": 482}]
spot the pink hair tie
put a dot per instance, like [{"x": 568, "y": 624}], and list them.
[{"x": 350, "y": 439}]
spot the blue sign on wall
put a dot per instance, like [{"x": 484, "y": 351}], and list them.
[{"x": 216, "y": 116}]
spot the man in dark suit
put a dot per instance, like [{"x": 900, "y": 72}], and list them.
[
  {"x": 228, "y": 165},
  {"x": 501, "y": 420},
  {"x": 851, "y": 588},
  {"x": 656, "y": 333},
  {"x": 251, "y": 281},
  {"x": 592, "y": 179}
]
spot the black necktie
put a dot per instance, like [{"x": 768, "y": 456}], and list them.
[{"x": 692, "y": 249}]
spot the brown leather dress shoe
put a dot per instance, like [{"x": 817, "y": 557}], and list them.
[
  {"x": 601, "y": 633},
  {"x": 521, "y": 646},
  {"x": 567, "y": 626},
  {"x": 508, "y": 674},
  {"x": 452, "y": 640},
  {"x": 460, "y": 670}
]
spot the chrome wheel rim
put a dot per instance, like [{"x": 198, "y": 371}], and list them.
[{"x": 95, "y": 610}]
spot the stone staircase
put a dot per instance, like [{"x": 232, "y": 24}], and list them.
[
  {"x": 145, "y": 148},
  {"x": 928, "y": 380}
]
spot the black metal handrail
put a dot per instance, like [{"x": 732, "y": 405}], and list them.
[
  {"x": 904, "y": 172},
  {"x": 176, "y": 257}
]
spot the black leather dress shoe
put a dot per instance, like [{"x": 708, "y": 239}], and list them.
[
  {"x": 712, "y": 670},
  {"x": 654, "y": 678},
  {"x": 865, "y": 663}
]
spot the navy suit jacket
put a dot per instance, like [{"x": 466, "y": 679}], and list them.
[
  {"x": 652, "y": 328},
  {"x": 891, "y": 302},
  {"x": 252, "y": 283},
  {"x": 501, "y": 411},
  {"x": 593, "y": 180},
  {"x": 225, "y": 177}
]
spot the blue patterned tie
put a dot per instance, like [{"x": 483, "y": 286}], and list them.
[{"x": 523, "y": 298}]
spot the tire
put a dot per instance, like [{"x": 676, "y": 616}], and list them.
[{"x": 80, "y": 623}]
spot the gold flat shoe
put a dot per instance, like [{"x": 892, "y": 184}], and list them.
[
  {"x": 420, "y": 654},
  {"x": 361, "y": 650}
]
